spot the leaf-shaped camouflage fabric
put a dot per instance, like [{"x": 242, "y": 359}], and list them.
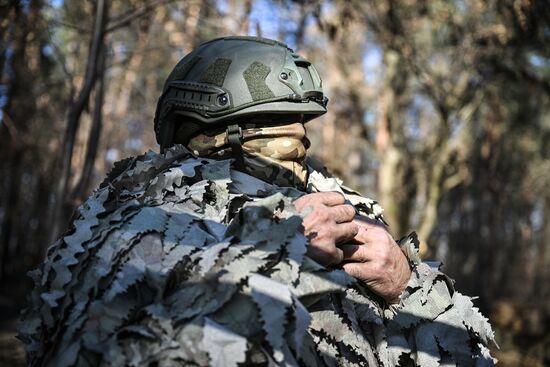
[{"x": 179, "y": 260}]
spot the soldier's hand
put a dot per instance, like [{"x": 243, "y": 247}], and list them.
[
  {"x": 377, "y": 260},
  {"x": 328, "y": 223}
]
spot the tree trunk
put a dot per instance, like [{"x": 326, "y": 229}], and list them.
[
  {"x": 75, "y": 112},
  {"x": 244, "y": 23},
  {"x": 14, "y": 123},
  {"x": 81, "y": 190},
  {"x": 391, "y": 158}
]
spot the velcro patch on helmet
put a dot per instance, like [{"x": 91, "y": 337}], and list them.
[
  {"x": 182, "y": 68},
  {"x": 215, "y": 73},
  {"x": 255, "y": 76}
]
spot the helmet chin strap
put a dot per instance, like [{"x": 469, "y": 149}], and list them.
[{"x": 234, "y": 135}]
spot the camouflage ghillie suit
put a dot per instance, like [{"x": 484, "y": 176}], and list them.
[{"x": 180, "y": 260}]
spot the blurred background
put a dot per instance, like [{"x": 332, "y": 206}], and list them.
[{"x": 438, "y": 109}]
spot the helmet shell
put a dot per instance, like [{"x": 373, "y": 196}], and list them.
[{"x": 237, "y": 79}]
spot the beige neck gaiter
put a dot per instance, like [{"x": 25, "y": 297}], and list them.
[{"x": 274, "y": 154}]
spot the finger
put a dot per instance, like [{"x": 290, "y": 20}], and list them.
[
  {"x": 329, "y": 198},
  {"x": 325, "y": 256},
  {"x": 360, "y": 271},
  {"x": 343, "y": 213},
  {"x": 354, "y": 252},
  {"x": 368, "y": 223},
  {"x": 354, "y": 269},
  {"x": 332, "y": 198},
  {"x": 344, "y": 232}
]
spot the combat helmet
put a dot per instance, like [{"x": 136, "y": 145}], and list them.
[{"x": 231, "y": 80}]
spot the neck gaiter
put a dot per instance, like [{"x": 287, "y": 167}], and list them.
[{"x": 274, "y": 154}]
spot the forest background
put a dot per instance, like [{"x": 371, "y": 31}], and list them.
[{"x": 438, "y": 109}]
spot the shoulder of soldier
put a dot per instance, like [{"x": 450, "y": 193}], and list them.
[
  {"x": 313, "y": 164},
  {"x": 145, "y": 166}
]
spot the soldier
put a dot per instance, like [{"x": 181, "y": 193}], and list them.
[{"x": 232, "y": 248}]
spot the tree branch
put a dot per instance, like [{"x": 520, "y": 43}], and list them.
[
  {"x": 81, "y": 189},
  {"x": 136, "y": 14},
  {"x": 76, "y": 109},
  {"x": 72, "y": 26}
]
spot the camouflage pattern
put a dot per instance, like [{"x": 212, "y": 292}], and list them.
[
  {"x": 274, "y": 154},
  {"x": 183, "y": 261}
]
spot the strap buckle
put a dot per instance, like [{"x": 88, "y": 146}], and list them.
[
  {"x": 234, "y": 136},
  {"x": 234, "y": 132}
]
